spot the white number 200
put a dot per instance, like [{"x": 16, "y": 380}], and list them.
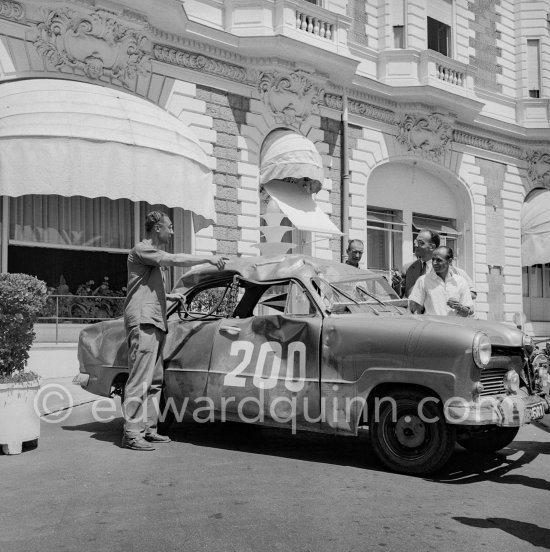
[{"x": 269, "y": 356}]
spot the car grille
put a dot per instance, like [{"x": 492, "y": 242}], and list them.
[{"x": 502, "y": 360}]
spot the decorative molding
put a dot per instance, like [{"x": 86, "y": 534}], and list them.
[
  {"x": 199, "y": 62},
  {"x": 468, "y": 139},
  {"x": 11, "y": 10},
  {"x": 96, "y": 44},
  {"x": 429, "y": 135},
  {"x": 538, "y": 168},
  {"x": 292, "y": 97},
  {"x": 371, "y": 111},
  {"x": 333, "y": 101}
]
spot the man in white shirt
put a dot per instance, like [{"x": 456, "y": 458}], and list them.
[{"x": 441, "y": 291}]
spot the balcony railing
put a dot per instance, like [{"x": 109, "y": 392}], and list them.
[
  {"x": 80, "y": 309},
  {"x": 437, "y": 67},
  {"x": 314, "y": 25}
]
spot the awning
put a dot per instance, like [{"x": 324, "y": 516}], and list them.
[
  {"x": 287, "y": 154},
  {"x": 300, "y": 208},
  {"x": 437, "y": 225},
  {"x": 71, "y": 138},
  {"x": 535, "y": 228}
]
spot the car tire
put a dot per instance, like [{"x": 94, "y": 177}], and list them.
[
  {"x": 410, "y": 444},
  {"x": 491, "y": 440},
  {"x": 166, "y": 418}
]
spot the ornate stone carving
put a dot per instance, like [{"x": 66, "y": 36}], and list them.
[
  {"x": 291, "y": 96},
  {"x": 96, "y": 44},
  {"x": 11, "y": 10},
  {"x": 428, "y": 135},
  {"x": 468, "y": 139},
  {"x": 371, "y": 111},
  {"x": 333, "y": 101},
  {"x": 174, "y": 56},
  {"x": 538, "y": 167}
]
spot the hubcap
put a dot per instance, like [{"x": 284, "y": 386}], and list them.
[{"x": 410, "y": 431}]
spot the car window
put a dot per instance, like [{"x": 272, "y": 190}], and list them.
[
  {"x": 289, "y": 298},
  {"x": 218, "y": 300}
]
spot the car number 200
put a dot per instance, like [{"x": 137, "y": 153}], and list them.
[{"x": 270, "y": 356}]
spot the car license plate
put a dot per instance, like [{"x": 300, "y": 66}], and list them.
[{"x": 535, "y": 411}]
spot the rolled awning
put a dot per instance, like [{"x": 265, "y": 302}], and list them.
[
  {"x": 535, "y": 228},
  {"x": 300, "y": 207},
  {"x": 287, "y": 154},
  {"x": 71, "y": 138}
]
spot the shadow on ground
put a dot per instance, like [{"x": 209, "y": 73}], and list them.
[
  {"x": 469, "y": 467},
  {"x": 529, "y": 532}
]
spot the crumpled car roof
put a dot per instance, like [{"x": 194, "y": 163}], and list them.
[{"x": 267, "y": 269}]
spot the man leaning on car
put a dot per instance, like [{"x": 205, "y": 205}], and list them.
[{"x": 146, "y": 327}]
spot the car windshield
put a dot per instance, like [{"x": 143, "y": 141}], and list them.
[{"x": 362, "y": 295}]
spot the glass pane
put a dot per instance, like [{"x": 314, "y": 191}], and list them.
[
  {"x": 535, "y": 281},
  {"x": 298, "y": 302},
  {"x": 377, "y": 249},
  {"x": 525, "y": 281}
]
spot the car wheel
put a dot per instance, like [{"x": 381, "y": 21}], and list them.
[
  {"x": 491, "y": 440},
  {"x": 407, "y": 438},
  {"x": 166, "y": 417}
]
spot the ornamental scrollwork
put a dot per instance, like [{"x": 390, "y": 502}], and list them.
[
  {"x": 96, "y": 44},
  {"x": 538, "y": 168},
  {"x": 175, "y": 56},
  {"x": 292, "y": 97},
  {"x": 428, "y": 135},
  {"x": 11, "y": 10}
]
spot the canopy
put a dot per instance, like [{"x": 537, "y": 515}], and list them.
[
  {"x": 300, "y": 207},
  {"x": 287, "y": 154},
  {"x": 535, "y": 228},
  {"x": 71, "y": 138}
]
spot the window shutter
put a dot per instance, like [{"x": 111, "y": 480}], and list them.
[
  {"x": 533, "y": 65},
  {"x": 442, "y": 10},
  {"x": 398, "y": 12}
]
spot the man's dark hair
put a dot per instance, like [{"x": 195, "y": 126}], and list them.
[
  {"x": 152, "y": 218},
  {"x": 434, "y": 236},
  {"x": 354, "y": 241},
  {"x": 447, "y": 251}
]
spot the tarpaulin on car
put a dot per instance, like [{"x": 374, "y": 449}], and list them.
[
  {"x": 535, "y": 228},
  {"x": 72, "y": 138}
]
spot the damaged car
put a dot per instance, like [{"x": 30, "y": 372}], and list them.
[{"x": 308, "y": 344}]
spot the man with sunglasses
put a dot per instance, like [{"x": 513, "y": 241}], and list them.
[
  {"x": 441, "y": 291},
  {"x": 424, "y": 245}
]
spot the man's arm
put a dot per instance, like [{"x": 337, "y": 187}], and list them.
[
  {"x": 185, "y": 260},
  {"x": 417, "y": 297},
  {"x": 465, "y": 304}
]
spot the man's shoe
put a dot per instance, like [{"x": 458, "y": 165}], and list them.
[
  {"x": 136, "y": 443},
  {"x": 156, "y": 438}
]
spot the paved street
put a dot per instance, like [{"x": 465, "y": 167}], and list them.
[{"x": 225, "y": 487}]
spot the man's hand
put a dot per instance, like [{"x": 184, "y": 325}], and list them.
[
  {"x": 218, "y": 261},
  {"x": 462, "y": 310},
  {"x": 396, "y": 278},
  {"x": 175, "y": 297}
]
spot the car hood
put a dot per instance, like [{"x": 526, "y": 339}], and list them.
[{"x": 500, "y": 333}]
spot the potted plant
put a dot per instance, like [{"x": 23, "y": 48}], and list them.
[{"x": 22, "y": 297}]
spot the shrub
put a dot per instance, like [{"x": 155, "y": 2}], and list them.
[{"x": 22, "y": 297}]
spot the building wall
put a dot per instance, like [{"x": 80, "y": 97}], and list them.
[{"x": 238, "y": 76}]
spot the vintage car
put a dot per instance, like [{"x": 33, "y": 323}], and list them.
[{"x": 308, "y": 344}]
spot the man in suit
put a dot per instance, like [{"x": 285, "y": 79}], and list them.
[{"x": 424, "y": 245}]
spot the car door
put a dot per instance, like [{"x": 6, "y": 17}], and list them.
[
  {"x": 188, "y": 348},
  {"x": 265, "y": 366}
]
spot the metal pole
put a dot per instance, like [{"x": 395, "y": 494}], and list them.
[
  {"x": 56, "y": 320},
  {"x": 345, "y": 174}
]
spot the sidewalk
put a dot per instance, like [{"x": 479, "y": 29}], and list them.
[{"x": 60, "y": 394}]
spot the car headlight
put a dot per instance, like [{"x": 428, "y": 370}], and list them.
[
  {"x": 528, "y": 343},
  {"x": 511, "y": 381},
  {"x": 481, "y": 350}
]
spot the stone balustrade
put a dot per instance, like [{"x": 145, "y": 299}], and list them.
[{"x": 314, "y": 25}]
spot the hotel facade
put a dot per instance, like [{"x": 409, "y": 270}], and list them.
[{"x": 276, "y": 126}]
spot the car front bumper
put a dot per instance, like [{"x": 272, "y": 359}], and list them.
[{"x": 502, "y": 410}]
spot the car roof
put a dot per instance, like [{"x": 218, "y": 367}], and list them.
[{"x": 268, "y": 269}]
